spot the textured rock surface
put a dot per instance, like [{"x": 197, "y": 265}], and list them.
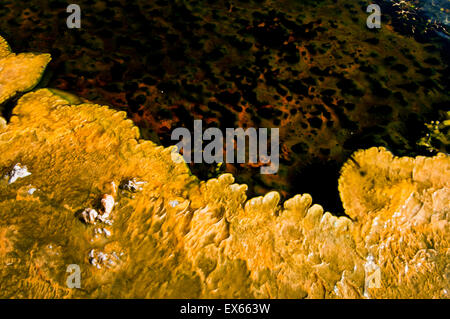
[
  {"x": 402, "y": 206},
  {"x": 19, "y": 72},
  {"x": 180, "y": 237}
]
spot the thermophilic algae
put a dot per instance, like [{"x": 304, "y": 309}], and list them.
[{"x": 171, "y": 235}]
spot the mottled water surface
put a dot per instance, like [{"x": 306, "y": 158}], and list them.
[{"x": 311, "y": 68}]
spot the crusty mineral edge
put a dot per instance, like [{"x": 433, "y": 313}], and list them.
[{"x": 212, "y": 242}]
